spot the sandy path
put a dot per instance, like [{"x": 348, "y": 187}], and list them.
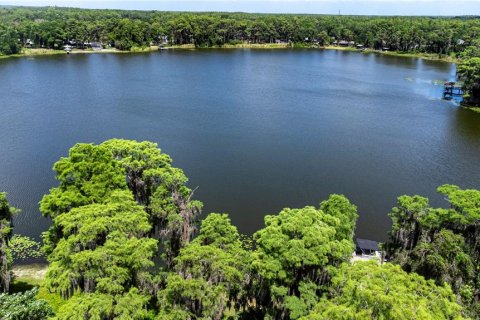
[{"x": 34, "y": 271}]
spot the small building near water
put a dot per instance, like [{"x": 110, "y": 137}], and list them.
[
  {"x": 29, "y": 44},
  {"x": 96, "y": 46},
  {"x": 343, "y": 43},
  {"x": 365, "y": 247}
]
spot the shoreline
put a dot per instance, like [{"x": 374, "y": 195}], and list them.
[
  {"x": 423, "y": 56},
  {"x": 52, "y": 52},
  {"x": 268, "y": 46},
  {"x": 35, "y": 271}
]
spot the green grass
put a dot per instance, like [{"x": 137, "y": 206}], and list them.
[
  {"x": 474, "y": 109},
  {"x": 426, "y": 56},
  {"x": 33, "y": 52},
  {"x": 144, "y": 49},
  {"x": 258, "y": 45},
  {"x": 340, "y": 48},
  {"x": 54, "y": 299},
  {"x": 24, "y": 283},
  {"x": 418, "y": 55}
]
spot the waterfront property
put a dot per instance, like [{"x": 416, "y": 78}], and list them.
[{"x": 365, "y": 247}]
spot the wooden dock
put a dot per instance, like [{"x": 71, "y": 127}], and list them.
[{"x": 451, "y": 89}]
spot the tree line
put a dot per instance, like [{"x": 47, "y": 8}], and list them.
[
  {"x": 127, "y": 243},
  {"x": 51, "y": 27}
]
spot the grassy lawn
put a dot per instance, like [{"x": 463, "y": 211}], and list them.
[
  {"x": 29, "y": 277},
  {"x": 427, "y": 56}
]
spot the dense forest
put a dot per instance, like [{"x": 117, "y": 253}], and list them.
[
  {"x": 128, "y": 241},
  {"x": 52, "y": 27}
]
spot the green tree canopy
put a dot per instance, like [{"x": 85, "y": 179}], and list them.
[
  {"x": 103, "y": 248},
  {"x": 114, "y": 202},
  {"x": 143, "y": 162},
  {"x": 8, "y": 40},
  {"x": 469, "y": 71},
  {"x": 295, "y": 251},
  {"x": 367, "y": 290},
  {"x": 97, "y": 306},
  {"x": 6, "y": 216},
  {"x": 162, "y": 189},
  {"x": 52, "y": 27},
  {"x": 211, "y": 274},
  {"x": 121, "y": 204},
  {"x": 88, "y": 175},
  {"x": 440, "y": 243}
]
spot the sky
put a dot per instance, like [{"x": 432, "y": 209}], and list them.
[{"x": 344, "y": 7}]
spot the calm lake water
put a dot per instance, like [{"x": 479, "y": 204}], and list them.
[{"x": 255, "y": 130}]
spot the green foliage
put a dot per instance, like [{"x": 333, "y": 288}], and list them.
[
  {"x": 191, "y": 299},
  {"x": 440, "y": 243},
  {"x": 30, "y": 279},
  {"x": 21, "y": 306},
  {"x": 469, "y": 71},
  {"x": 113, "y": 202},
  {"x": 8, "y": 40},
  {"x": 162, "y": 189},
  {"x": 88, "y": 175},
  {"x": 24, "y": 247},
  {"x": 143, "y": 162},
  {"x": 51, "y": 27},
  {"x": 304, "y": 302},
  {"x": 210, "y": 274},
  {"x": 465, "y": 203},
  {"x": 6, "y": 216},
  {"x": 471, "y": 51},
  {"x": 218, "y": 231},
  {"x": 120, "y": 203},
  {"x": 296, "y": 249},
  {"x": 338, "y": 206},
  {"x": 103, "y": 248},
  {"x": 446, "y": 259},
  {"x": 95, "y": 306},
  {"x": 367, "y": 290}
]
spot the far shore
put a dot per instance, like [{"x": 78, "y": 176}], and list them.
[{"x": 46, "y": 52}]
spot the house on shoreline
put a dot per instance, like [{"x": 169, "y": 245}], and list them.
[
  {"x": 343, "y": 43},
  {"x": 366, "y": 250}
]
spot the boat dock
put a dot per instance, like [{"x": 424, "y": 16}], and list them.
[{"x": 451, "y": 89}]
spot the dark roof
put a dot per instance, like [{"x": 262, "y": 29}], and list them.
[{"x": 365, "y": 244}]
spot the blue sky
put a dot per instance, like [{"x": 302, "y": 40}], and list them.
[{"x": 361, "y": 7}]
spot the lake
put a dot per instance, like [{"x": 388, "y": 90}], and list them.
[{"x": 256, "y": 131}]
